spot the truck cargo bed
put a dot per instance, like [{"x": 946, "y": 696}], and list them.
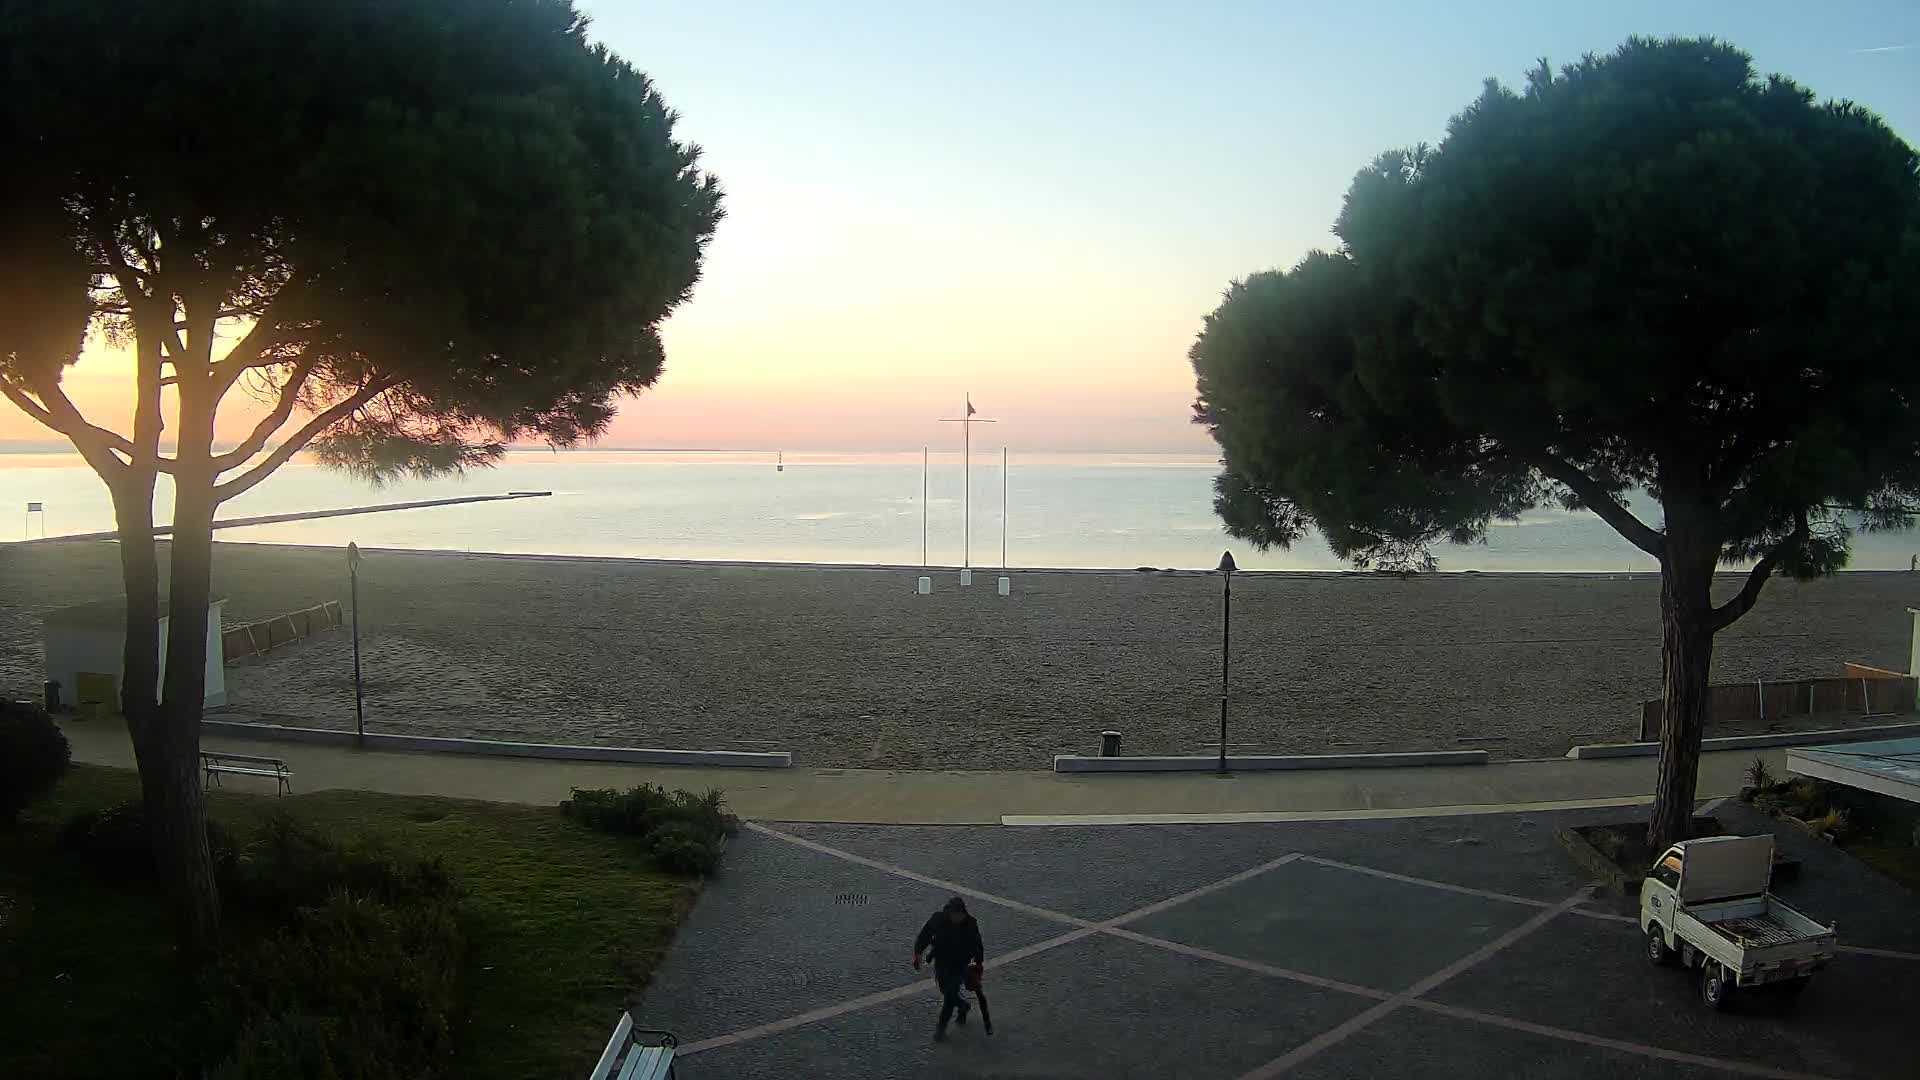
[{"x": 1756, "y": 930}]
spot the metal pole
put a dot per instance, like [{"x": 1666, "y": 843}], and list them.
[
  {"x": 1003, "y": 508},
  {"x": 1226, "y": 639},
  {"x": 923, "y": 508},
  {"x": 359, "y": 713},
  {"x": 966, "y": 488}
]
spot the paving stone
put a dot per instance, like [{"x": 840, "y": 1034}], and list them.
[
  {"x": 1099, "y": 1007},
  {"x": 1592, "y": 977},
  {"x": 1386, "y": 935},
  {"x": 782, "y": 930}
]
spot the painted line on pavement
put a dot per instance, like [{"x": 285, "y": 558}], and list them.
[
  {"x": 1386, "y": 1002},
  {"x": 1271, "y": 816},
  {"x": 1340, "y": 1032},
  {"x": 1601, "y": 1041},
  {"x": 1085, "y": 928},
  {"x": 867, "y": 1001},
  {"x": 1248, "y": 965},
  {"x": 901, "y": 871},
  {"x": 1389, "y": 875}
]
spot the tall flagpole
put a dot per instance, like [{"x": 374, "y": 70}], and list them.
[
  {"x": 923, "y": 508},
  {"x": 1003, "y": 508},
  {"x": 966, "y": 422}
]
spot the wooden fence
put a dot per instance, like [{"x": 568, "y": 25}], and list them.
[
  {"x": 1858, "y": 693},
  {"x": 253, "y": 639}
]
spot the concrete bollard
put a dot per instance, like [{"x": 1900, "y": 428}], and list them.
[
  {"x": 1109, "y": 744},
  {"x": 924, "y": 587},
  {"x": 1006, "y": 586},
  {"x": 966, "y": 577}
]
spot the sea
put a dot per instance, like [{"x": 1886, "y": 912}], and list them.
[{"x": 1039, "y": 510}]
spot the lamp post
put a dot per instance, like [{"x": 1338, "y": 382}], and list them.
[
  {"x": 1226, "y": 569},
  {"x": 353, "y": 588}
]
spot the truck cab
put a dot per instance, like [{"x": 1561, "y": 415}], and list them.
[{"x": 1706, "y": 903}]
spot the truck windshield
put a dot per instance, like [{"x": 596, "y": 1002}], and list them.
[{"x": 1667, "y": 871}]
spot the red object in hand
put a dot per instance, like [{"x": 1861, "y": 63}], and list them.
[
  {"x": 974, "y": 972},
  {"x": 916, "y": 960}
]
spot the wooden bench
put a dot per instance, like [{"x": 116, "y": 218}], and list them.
[
  {"x": 627, "y": 1058},
  {"x": 220, "y": 764}
]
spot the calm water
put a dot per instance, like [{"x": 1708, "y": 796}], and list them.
[{"x": 1060, "y": 510}]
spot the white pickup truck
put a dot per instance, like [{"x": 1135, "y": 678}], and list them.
[{"x": 1706, "y": 902}]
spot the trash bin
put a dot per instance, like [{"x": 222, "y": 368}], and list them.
[{"x": 1109, "y": 744}]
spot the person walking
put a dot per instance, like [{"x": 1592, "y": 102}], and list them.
[{"x": 951, "y": 938}]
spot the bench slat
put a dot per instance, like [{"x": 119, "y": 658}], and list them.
[
  {"x": 233, "y": 771},
  {"x": 617, "y": 1043},
  {"x": 217, "y": 756},
  {"x": 655, "y": 1066}
]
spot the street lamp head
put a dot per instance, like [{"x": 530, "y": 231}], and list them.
[
  {"x": 353, "y": 556},
  {"x": 1226, "y": 563}
]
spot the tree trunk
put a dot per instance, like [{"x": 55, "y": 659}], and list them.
[
  {"x": 176, "y": 803},
  {"x": 1686, "y": 663},
  {"x": 167, "y": 754}
]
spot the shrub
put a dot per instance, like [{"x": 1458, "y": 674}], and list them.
[
  {"x": 113, "y": 843},
  {"x": 1759, "y": 776},
  {"x": 683, "y": 832},
  {"x": 359, "y": 981},
  {"x": 33, "y": 756},
  {"x": 356, "y": 988},
  {"x": 679, "y": 848},
  {"x": 1836, "y": 823}
]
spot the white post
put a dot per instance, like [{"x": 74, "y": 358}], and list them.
[
  {"x": 966, "y": 495},
  {"x": 1913, "y": 645}
]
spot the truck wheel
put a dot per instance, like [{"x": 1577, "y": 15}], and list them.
[
  {"x": 1716, "y": 988},
  {"x": 1657, "y": 952}
]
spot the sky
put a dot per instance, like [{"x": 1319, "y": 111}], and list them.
[{"x": 1037, "y": 203}]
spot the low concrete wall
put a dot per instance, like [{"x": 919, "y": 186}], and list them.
[
  {"x": 1752, "y": 742},
  {"x": 732, "y": 759},
  {"x": 1076, "y": 763}
]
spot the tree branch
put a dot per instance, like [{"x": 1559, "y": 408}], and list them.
[
  {"x": 1729, "y": 613},
  {"x": 282, "y": 409},
  {"x": 239, "y": 485},
  {"x": 96, "y": 444},
  {"x": 1601, "y": 502},
  {"x": 245, "y": 354}
]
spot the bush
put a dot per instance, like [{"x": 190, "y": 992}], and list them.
[
  {"x": 33, "y": 756},
  {"x": 357, "y": 988},
  {"x": 360, "y": 981},
  {"x": 683, "y": 832},
  {"x": 1759, "y": 777},
  {"x": 678, "y": 848},
  {"x": 1836, "y": 823},
  {"x": 113, "y": 843}
]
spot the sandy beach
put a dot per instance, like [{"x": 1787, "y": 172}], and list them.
[{"x": 850, "y": 668}]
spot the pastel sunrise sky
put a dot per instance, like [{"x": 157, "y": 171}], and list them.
[{"x": 1038, "y": 202}]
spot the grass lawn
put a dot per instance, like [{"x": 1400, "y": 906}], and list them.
[{"x": 564, "y": 927}]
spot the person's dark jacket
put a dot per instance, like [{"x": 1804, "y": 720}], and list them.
[{"x": 955, "y": 944}]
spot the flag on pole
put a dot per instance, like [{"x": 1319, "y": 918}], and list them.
[{"x": 970, "y": 409}]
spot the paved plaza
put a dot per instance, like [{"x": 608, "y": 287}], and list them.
[{"x": 1456, "y": 946}]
